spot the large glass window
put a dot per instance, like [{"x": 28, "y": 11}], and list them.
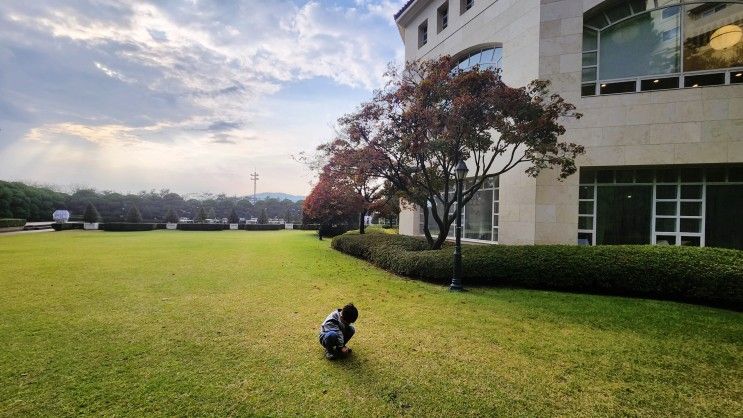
[
  {"x": 485, "y": 58},
  {"x": 641, "y": 45},
  {"x": 697, "y": 206},
  {"x": 479, "y": 217}
]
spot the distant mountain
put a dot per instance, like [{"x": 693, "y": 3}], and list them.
[{"x": 275, "y": 195}]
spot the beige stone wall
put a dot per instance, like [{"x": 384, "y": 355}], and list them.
[
  {"x": 515, "y": 25},
  {"x": 685, "y": 126}
]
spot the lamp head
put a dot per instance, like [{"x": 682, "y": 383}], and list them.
[{"x": 461, "y": 170}]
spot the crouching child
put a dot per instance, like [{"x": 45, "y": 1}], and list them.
[{"x": 337, "y": 330}]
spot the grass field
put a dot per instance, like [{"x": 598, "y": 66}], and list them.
[{"x": 225, "y": 323}]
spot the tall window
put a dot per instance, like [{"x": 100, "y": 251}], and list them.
[
  {"x": 642, "y": 45},
  {"x": 465, "y": 5},
  {"x": 423, "y": 33},
  {"x": 695, "y": 206},
  {"x": 479, "y": 217},
  {"x": 443, "y": 16}
]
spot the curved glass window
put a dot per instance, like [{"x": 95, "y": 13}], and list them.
[
  {"x": 488, "y": 57},
  {"x": 642, "y": 45}
]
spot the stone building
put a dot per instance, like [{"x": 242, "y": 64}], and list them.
[{"x": 660, "y": 85}]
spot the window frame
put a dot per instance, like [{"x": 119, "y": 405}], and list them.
[{"x": 728, "y": 74}]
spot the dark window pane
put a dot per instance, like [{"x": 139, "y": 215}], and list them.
[
  {"x": 623, "y": 214},
  {"x": 644, "y": 176},
  {"x": 585, "y": 192},
  {"x": 736, "y": 77},
  {"x": 669, "y": 175},
  {"x": 691, "y": 225},
  {"x": 638, "y": 6},
  {"x": 691, "y": 175},
  {"x": 690, "y": 241},
  {"x": 590, "y": 39},
  {"x": 585, "y": 222},
  {"x": 659, "y": 84},
  {"x": 589, "y": 58},
  {"x": 665, "y": 208},
  {"x": 495, "y": 234},
  {"x": 665, "y": 240},
  {"x": 585, "y": 238},
  {"x": 618, "y": 12},
  {"x": 585, "y": 208},
  {"x": 735, "y": 174},
  {"x": 496, "y": 207},
  {"x": 605, "y": 176},
  {"x": 723, "y": 225},
  {"x": 620, "y": 87},
  {"x": 588, "y": 89},
  {"x": 495, "y": 220},
  {"x": 625, "y": 176},
  {"x": 691, "y": 192},
  {"x": 691, "y": 208},
  {"x": 704, "y": 80},
  {"x": 665, "y": 192},
  {"x": 598, "y": 21},
  {"x": 715, "y": 174},
  {"x": 588, "y": 74},
  {"x": 587, "y": 176},
  {"x": 665, "y": 224}
]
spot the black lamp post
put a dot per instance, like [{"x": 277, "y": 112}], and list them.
[{"x": 456, "y": 280}]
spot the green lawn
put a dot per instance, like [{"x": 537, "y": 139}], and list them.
[{"x": 225, "y": 323}]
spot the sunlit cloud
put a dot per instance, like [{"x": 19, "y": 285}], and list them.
[{"x": 169, "y": 88}]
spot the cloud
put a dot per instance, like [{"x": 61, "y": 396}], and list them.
[{"x": 109, "y": 74}]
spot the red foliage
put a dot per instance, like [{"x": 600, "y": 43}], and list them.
[{"x": 332, "y": 201}]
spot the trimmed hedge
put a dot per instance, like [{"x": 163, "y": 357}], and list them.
[
  {"x": 11, "y": 222},
  {"x": 202, "y": 227},
  {"x": 67, "y": 226},
  {"x": 712, "y": 276},
  {"x": 263, "y": 227},
  {"x": 307, "y": 227},
  {"x": 126, "y": 226}
]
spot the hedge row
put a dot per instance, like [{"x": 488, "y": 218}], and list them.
[
  {"x": 710, "y": 276},
  {"x": 261, "y": 227},
  {"x": 67, "y": 226},
  {"x": 201, "y": 227},
  {"x": 126, "y": 226},
  {"x": 11, "y": 222}
]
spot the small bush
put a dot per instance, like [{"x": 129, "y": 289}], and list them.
[
  {"x": 134, "y": 216},
  {"x": 711, "y": 276},
  {"x": 126, "y": 226},
  {"x": 67, "y": 226},
  {"x": 11, "y": 222},
  {"x": 200, "y": 216},
  {"x": 171, "y": 217},
  {"x": 333, "y": 230},
  {"x": 91, "y": 214},
  {"x": 233, "y": 218},
  {"x": 266, "y": 227},
  {"x": 263, "y": 217},
  {"x": 201, "y": 227}
]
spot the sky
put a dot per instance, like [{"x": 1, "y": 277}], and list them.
[{"x": 191, "y": 96}]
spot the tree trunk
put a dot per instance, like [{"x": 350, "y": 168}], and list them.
[
  {"x": 362, "y": 215},
  {"x": 426, "y": 231}
]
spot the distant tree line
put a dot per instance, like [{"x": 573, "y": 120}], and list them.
[{"x": 33, "y": 203}]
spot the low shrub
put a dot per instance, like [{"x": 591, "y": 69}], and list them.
[
  {"x": 11, "y": 222},
  {"x": 307, "y": 227},
  {"x": 201, "y": 227},
  {"x": 333, "y": 230},
  {"x": 261, "y": 227},
  {"x": 126, "y": 226},
  {"x": 91, "y": 214},
  {"x": 67, "y": 226},
  {"x": 712, "y": 276}
]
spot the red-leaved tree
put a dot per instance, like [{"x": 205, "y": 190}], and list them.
[
  {"x": 331, "y": 201},
  {"x": 430, "y": 116}
]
